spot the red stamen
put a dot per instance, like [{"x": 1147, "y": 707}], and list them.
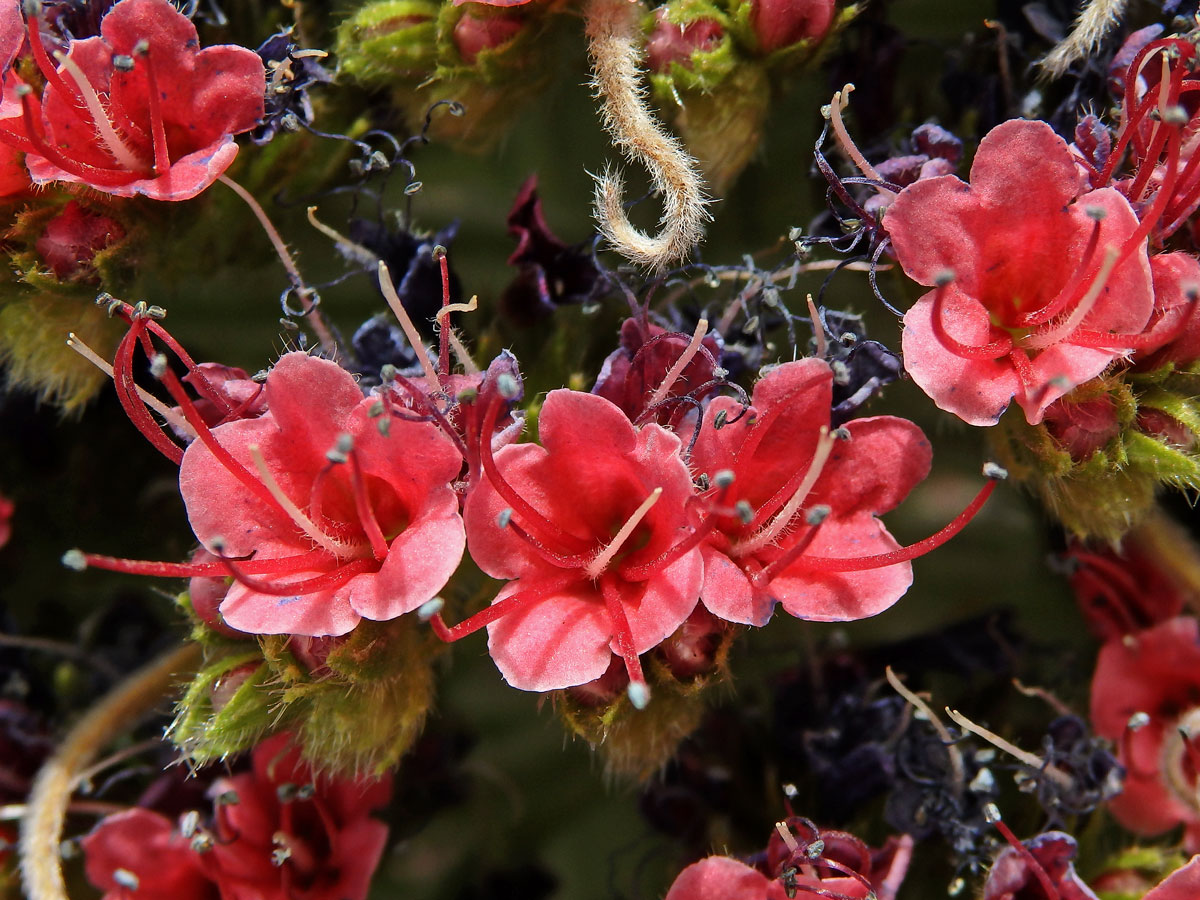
[
  {"x": 689, "y": 543},
  {"x": 444, "y": 329},
  {"x": 42, "y": 58},
  {"x": 328, "y": 581},
  {"x": 127, "y": 394},
  {"x": 1128, "y": 132},
  {"x": 639, "y": 692},
  {"x": 530, "y": 516},
  {"x": 1024, "y": 370},
  {"x": 430, "y": 409},
  {"x": 578, "y": 561},
  {"x": 863, "y": 563},
  {"x": 31, "y": 115},
  {"x": 156, "y": 569},
  {"x": 1071, "y": 291},
  {"x": 993, "y": 350},
  {"x": 362, "y": 502},
  {"x": 763, "y": 577},
  {"x": 486, "y": 616},
  {"x": 1031, "y": 861},
  {"x": 162, "y": 157}
]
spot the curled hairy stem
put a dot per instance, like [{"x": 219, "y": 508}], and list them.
[
  {"x": 1095, "y": 21},
  {"x": 613, "y": 42},
  {"x": 42, "y": 824}
]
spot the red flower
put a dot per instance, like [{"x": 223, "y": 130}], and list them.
[
  {"x": 1182, "y": 884},
  {"x": 1146, "y": 697},
  {"x": 278, "y": 832},
  {"x": 1041, "y": 283},
  {"x": 1173, "y": 335},
  {"x": 1014, "y": 876},
  {"x": 72, "y": 239},
  {"x": 781, "y": 23},
  {"x": 139, "y": 854},
  {"x": 1122, "y": 592},
  {"x": 368, "y": 531},
  {"x": 585, "y": 528},
  {"x": 786, "y": 465},
  {"x": 140, "y": 109}
]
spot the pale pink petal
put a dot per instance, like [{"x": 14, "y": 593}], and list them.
[
  {"x": 727, "y": 592},
  {"x": 316, "y": 614},
  {"x": 1182, "y": 884}
]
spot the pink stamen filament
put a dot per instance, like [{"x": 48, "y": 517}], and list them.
[
  {"x": 444, "y": 321},
  {"x": 1055, "y": 334},
  {"x": 121, "y": 152},
  {"x": 133, "y": 406},
  {"x": 284, "y": 502},
  {"x": 31, "y": 115},
  {"x": 430, "y": 408},
  {"x": 619, "y": 623},
  {"x": 485, "y": 617},
  {"x": 156, "y": 569},
  {"x": 1135, "y": 342},
  {"x": 366, "y": 514},
  {"x": 992, "y": 350},
  {"x": 410, "y": 330},
  {"x": 557, "y": 560},
  {"x": 1031, "y": 861},
  {"x": 172, "y": 417},
  {"x": 676, "y": 370},
  {"x": 904, "y": 554},
  {"x": 1127, "y": 132},
  {"x": 158, "y": 130},
  {"x": 596, "y": 567},
  {"x": 42, "y": 58},
  {"x": 840, "y": 100},
  {"x": 530, "y": 516},
  {"x": 333, "y": 579},
  {"x": 1167, "y": 95},
  {"x": 1069, "y": 292},
  {"x": 645, "y": 570},
  {"x": 772, "y": 531},
  {"x": 763, "y": 577},
  {"x": 1024, "y": 369}
]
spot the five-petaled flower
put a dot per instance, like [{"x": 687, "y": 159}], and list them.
[
  {"x": 1040, "y": 283},
  {"x": 138, "y": 109}
]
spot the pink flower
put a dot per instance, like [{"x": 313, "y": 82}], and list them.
[
  {"x": 1182, "y": 884},
  {"x": 1123, "y": 592},
  {"x": 787, "y": 471},
  {"x": 781, "y": 23},
  {"x": 671, "y": 43},
  {"x": 1022, "y": 874},
  {"x": 1173, "y": 335},
  {"x": 585, "y": 530},
  {"x": 1041, "y": 282},
  {"x": 139, "y": 109},
  {"x": 1145, "y": 697},
  {"x": 335, "y": 519}
]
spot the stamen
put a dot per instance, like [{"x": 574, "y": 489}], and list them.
[
  {"x": 578, "y": 561},
  {"x": 362, "y": 502},
  {"x": 460, "y": 352},
  {"x": 991, "y": 813},
  {"x": 638, "y": 690},
  {"x": 134, "y": 409},
  {"x": 113, "y": 142},
  {"x": 605, "y": 556},
  {"x": 439, "y": 253},
  {"x": 158, "y": 130},
  {"x": 1068, "y": 293},
  {"x": 80, "y": 561},
  {"x": 817, "y": 327},
  {"x": 410, "y": 330},
  {"x": 485, "y": 617},
  {"x": 530, "y": 516},
  {"x": 768, "y": 534},
  {"x": 993, "y": 350},
  {"x": 676, "y": 370},
  {"x": 864, "y": 563},
  {"x": 841, "y": 99},
  {"x": 328, "y": 581},
  {"x": 293, "y": 512},
  {"x": 815, "y": 517},
  {"x": 173, "y": 418},
  {"x": 357, "y": 252},
  {"x": 1053, "y": 336},
  {"x": 1030, "y": 759},
  {"x": 915, "y": 701},
  {"x": 31, "y": 116},
  {"x": 33, "y": 13}
]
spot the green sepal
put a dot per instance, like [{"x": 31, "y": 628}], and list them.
[
  {"x": 1162, "y": 462},
  {"x": 207, "y": 735},
  {"x": 708, "y": 69},
  {"x": 388, "y": 41}
]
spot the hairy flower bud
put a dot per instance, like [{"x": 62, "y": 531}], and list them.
[{"x": 782, "y": 23}]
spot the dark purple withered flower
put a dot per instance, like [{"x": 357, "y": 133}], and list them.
[{"x": 291, "y": 73}]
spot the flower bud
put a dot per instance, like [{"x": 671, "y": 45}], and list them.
[
  {"x": 676, "y": 43},
  {"x": 72, "y": 239},
  {"x": 782, "y": 23},
  {"x": 484, "y": 29},
  {"x": 389, "y": 40}
]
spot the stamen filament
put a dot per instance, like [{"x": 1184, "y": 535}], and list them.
[
  {"x": 366, "y": 514},
  {"x": 578, "y": 561},
  {"x": 134, "y": 409},
  {"x": 772, "y": 530},
  {"x": 327, "y": 581},
  {"x": 158, "y": 130},
  {"x": 485, "y": 617},
  {"x": 763, "y": 577},
  {"x": 1067, "y": 294},
  {"x": 676, "y": 370},
  {"x": 444, "y": 321},
  {"x": 904, "y": 554},
  {"x": 113, "y": 142},
  {"x": 41, "y": 57},
  {"x": 639, "y": 691},
  {"x": 293, "y": 512},
  {"x": 993, "y": 350},
  {"x": 460, "y": 352},
  {"x": 1053, "y": 336},
  {"x": 1030, "y": 759},
  {"x": 157, "y": 569},
  {"x": 410, "y": 330},
  {"x": 1031, "y": 861},
  {"x": 841, "y": 100},
  {"x": 173, "y": 418},
  {"x": 605, "y": 556}
]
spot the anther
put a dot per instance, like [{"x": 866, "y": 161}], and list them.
[
  {"x": 724, "y": 478},
  {"x": 375, "y": 410},
  {"x": 126, "y": 879},
  {"x": 505, "y": 517},
  {"x": 387, "y": 373},
  {"x": 1096, "y": 213},
  {"x": 991, "y": 813},
  {"x": 815, "y": 850},
  {"x": 32, "y": 8},
  {"x": 24, "y": 90},
  {"x": 639, "y": 694},
  {"x": 439, "y": 252},
  {"x": 413, "y": 188},
  {"x": 122, "y": 63},
  {"x": 817, "y": 514},
  {"x": 342, "y": 448},
  {"x": 720, "y": 419},
  {"x": 74, "y": 559},
  {"x": 142, "y": 47},
  {"x": 306, "y": 792},
  {"x": 507, "y": 386},
  {"x": 158, "y": 365},
  {"x": 994, "y": 472},
  {"x": 944, "y": 277},
  {"x": 286, "y": 792},
  {"x": 842, "y": 433},
  {"x": 189, "y": 823},
  {"x": 744, "y": 511},
  {"x": 1175, "y": 115},
  {"x": 430, "y": 608},
  {"x": 228, "y": 798},
  {"x": 1138, "y": 721}
]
